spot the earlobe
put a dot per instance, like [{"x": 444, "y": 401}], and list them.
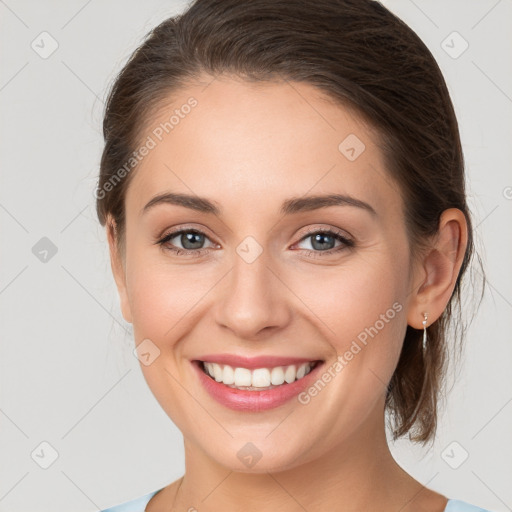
[
  {"x": 440, "y": 269},
  {"x": 118, "y": 269}
]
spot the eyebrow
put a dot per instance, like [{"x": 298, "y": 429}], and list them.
[{"x": 289, "y": 207}]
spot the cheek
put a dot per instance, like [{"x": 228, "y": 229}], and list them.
[
  {"x": 353, "y": 297},
  {"x": 360, "y": 310},
  {"x": 363, "y": 318},
  {"x": 163, "y": 296}
]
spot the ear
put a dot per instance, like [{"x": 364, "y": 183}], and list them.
[
  {"x": 439, "y": 269},
  {"x": 118, "y": 268}
]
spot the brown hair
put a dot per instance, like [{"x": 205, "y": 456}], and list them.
[{"x": 363, "y": 57}]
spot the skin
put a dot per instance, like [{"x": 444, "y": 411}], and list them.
[{"x": 248, "y": 147}]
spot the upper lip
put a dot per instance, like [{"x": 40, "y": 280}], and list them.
[{"x": 254, "y": 362}]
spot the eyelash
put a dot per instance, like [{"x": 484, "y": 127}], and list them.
[{"x": 346, "y": 243}]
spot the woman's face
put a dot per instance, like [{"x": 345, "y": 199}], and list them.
[{"x": 259, "y": 277}]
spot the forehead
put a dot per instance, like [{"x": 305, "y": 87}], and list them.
[{"x": 254, "y": 141}]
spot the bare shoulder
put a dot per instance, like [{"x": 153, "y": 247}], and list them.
[
  {"x": 164, "y": 499},
  {"x": 412, "y": 496}
]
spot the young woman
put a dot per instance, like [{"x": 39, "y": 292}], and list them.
[{"x": 282, "y": 187}]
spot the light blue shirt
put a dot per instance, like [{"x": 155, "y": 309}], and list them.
[
  {"x": 461, "y": 506},
  {"x": 139, "y": 505}
]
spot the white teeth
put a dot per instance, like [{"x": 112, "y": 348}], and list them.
[
  {"x": 259, "y": 378},
  {"x": 290, "y": 374},
  {"x": 217, "y": 373},
  {"x": 242, "y": 376},
  {"x": 277, "y": 376},
  {"x": 228, "y": 375}
]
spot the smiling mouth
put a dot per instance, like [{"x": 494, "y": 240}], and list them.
[{"x": 259, "y": 379}]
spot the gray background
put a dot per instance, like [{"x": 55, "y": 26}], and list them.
[{"x": 68, "y": 376}]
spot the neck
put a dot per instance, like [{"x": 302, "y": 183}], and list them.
[{"x": 358, "y": 474}]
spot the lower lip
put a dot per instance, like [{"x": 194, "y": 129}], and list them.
[{"x": 243, "y": 400}]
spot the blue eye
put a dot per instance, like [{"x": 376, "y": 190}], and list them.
[
  {"x": 193, "y": 239},
  {"x": 322, "y": 241}
]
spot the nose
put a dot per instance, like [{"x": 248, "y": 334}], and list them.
[{"x": 253, "y": 300}]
